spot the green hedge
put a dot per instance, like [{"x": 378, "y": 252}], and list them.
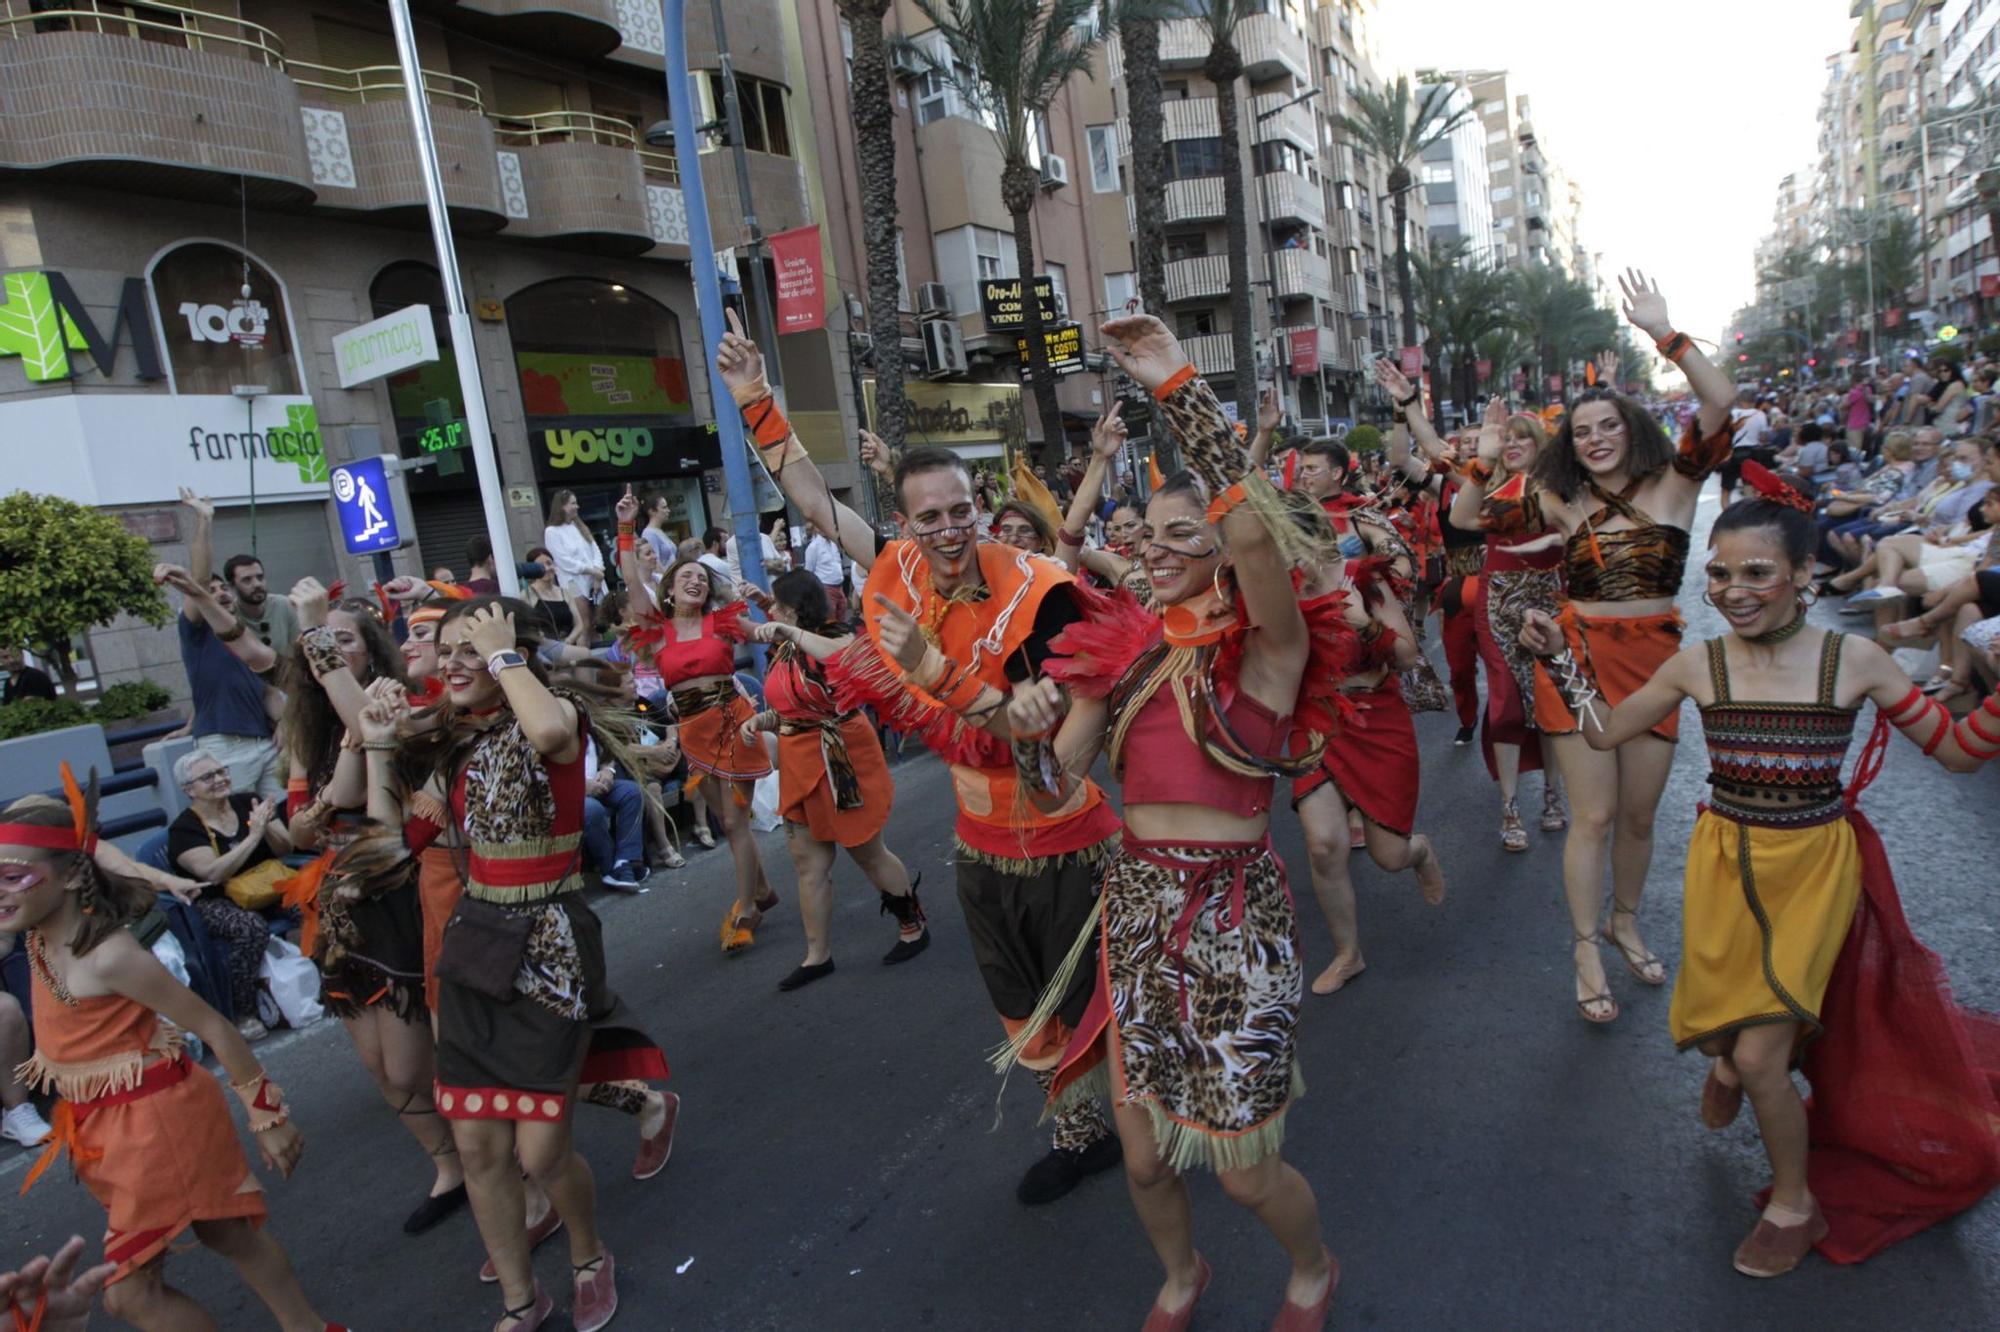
[
  {"x": 119, "y": 703},
  {"x": 130, "y": 701}
]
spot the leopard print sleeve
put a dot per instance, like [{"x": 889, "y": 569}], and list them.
[{"x": 1208, "y": 442}]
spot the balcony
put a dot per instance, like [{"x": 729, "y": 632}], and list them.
[
  {"x": 1329, "y": 349},
  {"x": 363, "y": 159},
  {"x": 577, "y": 177},
  {"x": 158, "y": 100},
  {"x": 777, "y": 187},
  {"x": 756, "y": 37},
  {"x": 579, "y": 29},
  {"x": 1301, "y": 273},
  {"x": 1213, "y": 354},
  {"x": 1202, "y": 279},
  {"x": 1269, "y": 49},
  {"x": 1295, "y": 122},
  {"x": 1197, "y": 200},
  {"x": 1285, "y": 197}
]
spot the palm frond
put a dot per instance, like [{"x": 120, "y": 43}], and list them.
[{"x": 1009, "y": 59}]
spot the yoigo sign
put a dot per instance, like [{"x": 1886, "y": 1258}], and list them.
[{"x": 616, "y": 447}]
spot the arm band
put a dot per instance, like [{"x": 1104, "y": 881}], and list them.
[
  {"x": 1174, "y": 382},
  {"x": 1481, "y": 471},
  {"x": 1069, "y": 538},
  {"x": 767, "y": 423},
  {"x": 263, "y": 1102},
  {"x": 1219, "y": 507},
  {"x": 1674, "y": 346},
  {"x": 626, "y": 543}
]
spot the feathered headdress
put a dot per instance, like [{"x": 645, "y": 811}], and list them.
[
  {"x": 80, "y": 836},
  {"x": 1769, "y": 485}
]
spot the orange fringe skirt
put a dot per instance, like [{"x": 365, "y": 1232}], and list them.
[
  {"x": 1622, "y": 652},
  {"x": 714, "y": 746}
]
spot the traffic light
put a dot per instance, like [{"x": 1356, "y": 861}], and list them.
[
  {"x": 1811, "y": 361},
  {"x": 1739, "y": 339},
  {"x": 1742, "y": 356}
]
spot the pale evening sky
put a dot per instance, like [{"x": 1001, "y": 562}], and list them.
[{"x": 1677, "y": 120}]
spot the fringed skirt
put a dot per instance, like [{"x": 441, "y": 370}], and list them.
[
  {"x": 1199, "y": 983},
  {"x": 385, "y": 968},
  {"x": 713, "y": 743}
]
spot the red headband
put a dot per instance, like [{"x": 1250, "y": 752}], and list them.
[
  {"x": 76, "y": 837},
  {"x": 1767, "y": 485}
]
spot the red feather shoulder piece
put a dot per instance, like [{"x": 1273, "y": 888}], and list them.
[
  {"x": 862, "y": 677},
  {"x": 728, "y": 624},
  {"x": 1093, "y": 654}
]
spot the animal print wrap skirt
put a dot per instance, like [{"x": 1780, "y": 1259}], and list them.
[{"x": 1199, "y": 960}]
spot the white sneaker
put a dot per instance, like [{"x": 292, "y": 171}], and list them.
[
  {"x": 251, "y": 1029},
  {"x": 24, "y": 1124}
]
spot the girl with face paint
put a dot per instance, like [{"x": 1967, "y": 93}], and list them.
[{"x": 1795, "y": 948}]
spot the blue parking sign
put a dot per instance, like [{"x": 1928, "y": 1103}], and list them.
[{"x": 367, "y": 511}]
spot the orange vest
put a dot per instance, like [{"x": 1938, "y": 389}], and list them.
[{"x": 995, "y": 816}]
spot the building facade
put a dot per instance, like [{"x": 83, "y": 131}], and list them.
[
  {"x": 200, "y": 198},
  {"x": 1458, "y": 188}
]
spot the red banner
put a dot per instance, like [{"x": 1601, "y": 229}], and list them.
[
  {"x": 1413, "y": 362},
  {"x": 1484, "y": 369},
  {"x": 801, "y": 297},
  {"x": 1304, "y": 347},
  {"x": 1989, "y": 285}
]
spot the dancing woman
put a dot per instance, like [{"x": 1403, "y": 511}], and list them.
[
  {"x": 524, "y": 1011},
  {"x": 1116, "y": 563},
  {"x": 1199, "y": 972},
  {"x": 1795, "y": 950},
  {"x": 145, "y": 1126},
  {"x": 694, "y": 651},
  {"x": 370, "y": 952},
  {"x": 834, "y": 788},
  {"x": 1623, "y": 497},
  {"x": 1522, "y": 572}
]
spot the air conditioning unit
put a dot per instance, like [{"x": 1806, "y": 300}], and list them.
[
  {"x": 934, "y": 301},
  {"x": 906, "y": 62},
  {"x": 944, "y": 348},
  {"x": 1055, "y": 172}
]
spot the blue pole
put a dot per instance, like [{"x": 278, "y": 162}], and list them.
[{"x": 708, "y": 297}]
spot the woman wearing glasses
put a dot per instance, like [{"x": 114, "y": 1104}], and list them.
[{"x": 217, "y": 837}]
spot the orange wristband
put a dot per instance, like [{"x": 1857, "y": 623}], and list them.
[
  {"x": 1174, "y": 382},
  {"x": 1219, "y": 507},
  {"x": 767, "y": 423}
]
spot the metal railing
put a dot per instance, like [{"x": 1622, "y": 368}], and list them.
[
  {"x": 164, "y": 24},
  {"x": 384, "y": 83},
  {"x": 564, "y": 127},
  {"x": 661, "y": 168}
]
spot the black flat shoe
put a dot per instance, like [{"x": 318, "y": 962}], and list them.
[
  {"x": 804, "y": 975},
  {"x": 433, "y": 1210},
  {"x": 906, "y": 949},
  {"x": 1061, "y": 1170}
]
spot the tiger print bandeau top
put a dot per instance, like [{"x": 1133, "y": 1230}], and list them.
[{"x": 1636, "y": 564}]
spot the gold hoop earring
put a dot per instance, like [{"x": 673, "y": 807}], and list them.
[{"x": 1220, "y": 595}]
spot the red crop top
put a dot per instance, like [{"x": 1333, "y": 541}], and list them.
[
  {"x": 1162, "y": 766},
  {"x": 679, "y": 660}
]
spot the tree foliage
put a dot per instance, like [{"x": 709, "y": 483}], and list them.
[{"x": 65, "y": 567}]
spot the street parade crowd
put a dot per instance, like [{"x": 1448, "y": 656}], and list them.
[{"x": 1122, "y": 684}]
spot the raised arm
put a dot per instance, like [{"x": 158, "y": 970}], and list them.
[
  {"x": 549, "y": 722},
  {"x": 1646, "y": 308},
  {"x": 639, "y": 596},
  {"x": 741, "y": 365},
  {"x": 1147, "y": 350},
  {"x": 1470, "y": 498},
  {"x": 1409, "y": 409},
  {"x": 201, "y": 541},
  {"x": 1107, "y": 437},
  {"x": 198, "y": 604},
  {"x": 1270, "y": 415}
]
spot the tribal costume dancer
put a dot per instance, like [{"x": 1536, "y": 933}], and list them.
[
  {"x": 1624, "y": 499},
  {"x": 688, "y": 645},
  {"x": 369, "y": 950},
  {"x": 145, "y": 1126},
  {"x": 954, "y": 622},
  {"x": 1522, "y": 572},
  {"x": 834, "y": 788},
  {"x": 1795, "y": 947},
  {"x": 1117, "y": 563},
  {"x": 524, "y": 1011},
  {"x": 1199, "y": 974}
]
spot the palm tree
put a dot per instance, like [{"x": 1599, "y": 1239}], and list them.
[
  {"x": 1222, "y": 68},
  {"x": 1464, "y": 300},
  {"x": 1562, "y": 319},
  {"x": 1139, "y": 43},
  {"x": 1398, "y": 129},
  {"x": 875, "y": 153},
  {"x": 1009, "y": 60}
]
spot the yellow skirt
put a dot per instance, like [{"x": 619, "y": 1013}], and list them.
[{"x": 1759, "y": 939}]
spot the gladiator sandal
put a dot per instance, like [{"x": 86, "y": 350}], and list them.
[
  {"x": 912, "y": 935},
  {"x": 1513, "y": 837},
  {"x": 1601, "y": 997},
  {"x": 1644, "y": 958},
  {"x": 1554, "y": 817}
]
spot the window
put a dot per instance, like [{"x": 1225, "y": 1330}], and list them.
[
  {"x": 968, "y": 256},
  {"x": 1496, "y": 136},
  {"x": 1437, "y": 173},
  {"x": 1193, "y": 246},
  {"x": 761, "y": 106},
  {"x": 1502, "y": 193},
  {"x": 1120, "y": 291},
  {"x": 215, "y": 336},
  {"x": 1194, "y": 324},
  {"x": 1104, "y": 177},
  {"x": 1268, "y": 158},
  {"x": 1497, "y": 107},
  {"x": 936, "y": 97},
  {"x": 1059, "y": 284},
  {"x": 1188, "y": 159}
]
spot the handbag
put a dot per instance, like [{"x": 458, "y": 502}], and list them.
[
  {"x": 256, "y": 889},
  {"x": 483, "y": 947}
]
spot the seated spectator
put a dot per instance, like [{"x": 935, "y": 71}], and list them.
[
  {"x": 1807, "y": 453},
  {"x": 558, "y": 609},
  {"x": 217, "y": 837},
  {"x": 614, "y": 823},
  {"x": 1922, "y": 486},
  {"x": 23, "y": 680},
  {"x": 1948, "y": 544},
  {"x": 19, "y": 1120}
]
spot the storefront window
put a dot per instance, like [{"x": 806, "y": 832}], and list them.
[{"x": 217, "y": 336}]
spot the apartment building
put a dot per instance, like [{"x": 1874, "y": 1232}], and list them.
[
  {"x": 1962, "y": 192},
  {"x": 201, "y": 195},
  {"x": 1457, "y": 186}
]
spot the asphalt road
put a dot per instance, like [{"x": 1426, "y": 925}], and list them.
[{"x": 1483, "y": 1158}]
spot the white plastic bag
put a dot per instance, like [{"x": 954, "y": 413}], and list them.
[
  {"x": 293, "y": 982},
  {"x": 764, "y": 803},
  {"x": 173, "y": 957}
]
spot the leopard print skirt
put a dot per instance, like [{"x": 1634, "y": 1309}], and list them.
[
  {"x": 1510, "y": 595},
  {"x": 1201, "y": 965}
]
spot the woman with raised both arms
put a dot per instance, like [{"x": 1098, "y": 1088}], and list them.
[
  {"x": 1623, "y": 497},
  {"x": 834, "y": 788},
  {"x": 1200, "y": 974},
  {"x": 694, "y": 650},
  {"x": 1794, "y": 946}
]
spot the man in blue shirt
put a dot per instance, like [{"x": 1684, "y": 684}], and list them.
[{"x": 222, "y": 659}]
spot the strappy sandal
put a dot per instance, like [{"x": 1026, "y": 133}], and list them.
[
  {"x": 1554, "y": 817},
  {"x": 530, "y": 1316},
  {"x": 1513, "y": 836},
  {"x": 1940, "y": 678},
  {"x": 1646, "y": 958},
  {"x": 1601, "y": 997}
]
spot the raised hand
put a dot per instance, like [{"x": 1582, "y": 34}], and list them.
[
  {"x": 1644, "y": 306},
  {"x": 875, "y": 455},
  {"x": 406, "y": 587},
  {"x": 310, "y": 600},
  {"x": 491, "y": 630},
  {"x": 200, "y": 505},
  {"x": 741, "y": 364},
  {"x": 899, "y": 635},
  {"x": 1107, "y": 437},
  {"x": 1607, "y": 367},
  {"x": 177, "y": 578},
  {"x": 1144, "y": 348},
  {"x": 1270, "y": 412},
  {"x": 627, "y": 507},
  {"x": 1393, "y": 381},
  {"x": 1541, "y": 635}
]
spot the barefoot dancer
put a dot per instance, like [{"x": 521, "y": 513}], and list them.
[
  {"x": 680, "y": 638},
  {"x": 1199, "y": 974},
  {"x": 954, "y": 622},
  {"x": 1624, "y": 499},
  {"x": 1795, "y": 949},
  {"x": 834, "y": 788},
  {"x": 145, "y": 1127}
]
